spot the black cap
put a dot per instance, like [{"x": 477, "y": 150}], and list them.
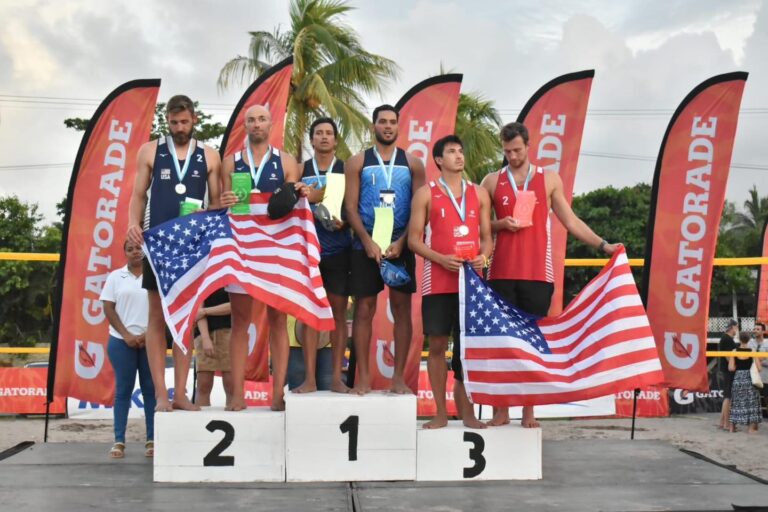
[
  {"x": 732, "y": 323},
  {"x": 282, "y": 201}
]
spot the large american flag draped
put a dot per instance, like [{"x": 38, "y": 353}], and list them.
[
  {"x": 600, "y": 344},
  {"x": 274, "y": 261}
]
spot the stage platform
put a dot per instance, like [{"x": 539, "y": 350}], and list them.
[{"x": 579, "y": 475}]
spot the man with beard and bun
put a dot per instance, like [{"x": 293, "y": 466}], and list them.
[
  {"x": 171, "y": 170},
  {"x": 269, "y": 168},
  {"x": 521, "y": 269},
  {"x": 335, "y": 243},
  {"x": 379, "y": 184},
  {"x": 457, "y": 217}
]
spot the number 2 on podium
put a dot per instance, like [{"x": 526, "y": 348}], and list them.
[{"x": 351, "y": 425}]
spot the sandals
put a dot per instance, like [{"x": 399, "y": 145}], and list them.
[
  {"x": 117, "y": 451},
  {"x": 149, "y": 449}
]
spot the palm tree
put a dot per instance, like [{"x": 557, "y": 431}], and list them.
[
  {"x": 332, "y": 73},
  {"x": 477, "y": 124},
  {"x": 756, "y": 211}
]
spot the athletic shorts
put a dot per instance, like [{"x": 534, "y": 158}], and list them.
[
  {"x": 334, "y": 269},
  {"x": 533, "y": 297},
  {"x": 219, "y": 361},
  {"x": 440, "y": 317},
  {"x": 365, "y": 277},
  {"x": 727, "y": 379},
  {"x": 148, "y": 279}
]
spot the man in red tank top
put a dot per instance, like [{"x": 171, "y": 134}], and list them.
[
  {"x": 521, "y": 270},
  {"x": 456, "y": 216}
]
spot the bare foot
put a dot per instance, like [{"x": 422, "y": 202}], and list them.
[
  {"x": 339, "y": 387},
  {"x": 183, "y": 403},
  {"x": 236, "y": 404},
  {"x": 436, "y": 422},
  {"x": 399, "y": 387},
  {"x": 278, "y": 404},
  {"x": 361, "y": 390},
  {"x": 163, "y": 406},
  {"x": 306, "y": 387},
  {"x": 472, "y": 422},
  {"x": 528, "y": 419},
  {"x": 500, "y": 417}
]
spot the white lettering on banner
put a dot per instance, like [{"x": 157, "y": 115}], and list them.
[
  {"x": 693, "y": 228},
  {"x": 642, "y": 395},
  {"x": 106, "y": 213},
  {"x": 419, "y": 139},
  {"x": 23, "y": 392},
  {"x": 686, "y": 397},
  {"x": 88, "y": 364},
  {"x": 551, "y": 144}
]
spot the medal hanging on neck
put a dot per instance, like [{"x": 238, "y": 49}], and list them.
[
  {"x": 387, "y": 196},
  {"x": 180, "y": 187},
  {"x": 256, "y": 174},
  {"x": 317, "y": 171},
  {"x": 525, "y": 200},
  {"x": 462, "y": 230}
]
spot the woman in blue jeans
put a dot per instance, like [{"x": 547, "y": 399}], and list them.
[{"x": 126, "y": 307}]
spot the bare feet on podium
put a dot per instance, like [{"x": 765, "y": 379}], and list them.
[
  {"x": 306, "y": 387},
  {"x": 436, "y": 422},
  {"x": 361, "y": 389},
  {"x": 278, "y": 404},
  {"x": 399, "y": 387},
  {"x": 237, "y": 403},
  {"x": 183, "y": 403},
  {"x": 163, "y": 405},
  {"x": 339, "y": 387},
  {"x": 471, "y": 422},
  {"x": 529, "y": 421},
  {"x": 500, "y": 417}
]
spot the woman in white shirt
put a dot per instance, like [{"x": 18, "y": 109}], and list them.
[{"x": 126, "y": 307}]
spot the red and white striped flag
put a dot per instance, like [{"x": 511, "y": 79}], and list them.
[
  {"x": 600, "y": 344},
  {"x": 274, "y": 261}
]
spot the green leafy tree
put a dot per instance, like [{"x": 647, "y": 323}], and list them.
[
  {"x": 205, "y": 129},
  {"x": 477, "y": 125},
  {"x": 332, "y": 73}
]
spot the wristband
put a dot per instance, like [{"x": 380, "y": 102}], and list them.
[{"x": 485, "y": 261}]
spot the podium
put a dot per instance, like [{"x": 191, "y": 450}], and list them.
[
  {"x": 509, "y": 452},
  {"x": 214, "y": 445},
  {"x": 346, "y": 437}
]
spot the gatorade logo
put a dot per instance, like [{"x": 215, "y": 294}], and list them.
[
  {"x": 89, "y": 359},
  {"x": 385, "y": 358},
  {"x": 252, "y": 336}
]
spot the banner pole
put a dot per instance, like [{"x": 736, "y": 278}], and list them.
[
  {"x": 634, "y": 413},
  {"x": 47, "y": 415}
]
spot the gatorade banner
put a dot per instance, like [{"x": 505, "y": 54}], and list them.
[
  {"x": 762, "y": 282},
  {"x": 23, "y": 391},
  {"x": 555, "y": 118},
  {"x": 427, "y": 113},
  {"x": 652, "y": 402},
  {"x": 95, "y": 224},
  {"x": 271, "y": 89},
  {"x": 686, "y": 204}
]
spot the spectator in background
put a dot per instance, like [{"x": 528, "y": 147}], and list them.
[
  {"x": 745, "y": 398},
  {"x": 726, "y": 344},
  {"x": 214, "y": 321},
  {"x": 127, "y": 307},
  {"x": 759, "y": 344}
]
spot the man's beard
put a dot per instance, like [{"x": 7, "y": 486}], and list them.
[
  {"x": 181, "y": 138},
  {"x": 384, "y": 142},
  {"x": 255, "y": 139}
]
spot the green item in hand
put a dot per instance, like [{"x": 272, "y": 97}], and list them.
[{"x": 241, "y": 186}]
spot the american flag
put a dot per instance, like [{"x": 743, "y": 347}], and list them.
[
  {"x": 274, "y": 261},
  {"x": 600, "y": 344}
]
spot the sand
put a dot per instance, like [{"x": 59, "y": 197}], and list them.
[{"x": 698, "y": 433}]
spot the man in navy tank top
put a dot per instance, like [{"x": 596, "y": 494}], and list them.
[
  {"x": 335, "y": 244},
  {"x": 521, "y": 269},
  {"x": 383, "y": 177},
  {"x": 171, "y": 170},
  {"x": 269, "y": 168}
]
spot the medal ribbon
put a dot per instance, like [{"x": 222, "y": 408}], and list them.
[
  {"x": 512, "y": 179},
  {"x": 461, "y": 210},
  {"x": 180, "y": 173},
  {"x": 256, "y": 174},
  {"x": 317, "y": 172},
  {"x": 388, "y": 172}
]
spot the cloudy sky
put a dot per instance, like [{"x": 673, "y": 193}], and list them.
[{"x": 60, "y": 58}]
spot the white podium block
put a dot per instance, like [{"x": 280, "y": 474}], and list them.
[
  {"x": 455, "y": 452},
  {"x": 332, "y": 437},
  {"x": 214, "y": 445}
]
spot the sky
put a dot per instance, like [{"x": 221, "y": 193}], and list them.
[{"x": 60, "y": 58}]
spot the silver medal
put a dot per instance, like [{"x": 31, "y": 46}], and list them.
[
  {"x": 463, "y": 230},
  {"x": 181, "y": 188}
]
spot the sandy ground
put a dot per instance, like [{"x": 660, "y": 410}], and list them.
[{"x": 748, "y": 452}]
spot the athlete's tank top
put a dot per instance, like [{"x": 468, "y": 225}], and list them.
[
  {"x": 373, "y": 181},
  {"x": 271, "y": 177},
  {"x": 331, "y": 242},
  {"x": 163, "y": 200},
  {"x": 527, "y": 253},
  {"x": 442, "y": 234}
]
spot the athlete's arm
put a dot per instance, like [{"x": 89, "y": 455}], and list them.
[
  {"x": 228, "y": 198},
  {"x": 486, "y": 236},
  {"x": 138, "y": 203},
  {"x": 505, "y": 223},
  {"x": 292, "y": 173},
  {"x": 570, "y": 221},
  {"x": 420, "y": 206},
  {"x": 316, "y": 193},
  {"x": 214, "y": 178},
  {"x": 352, "y": 170}
]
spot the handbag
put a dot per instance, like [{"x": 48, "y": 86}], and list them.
[{"x": 754, "y": 374}]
